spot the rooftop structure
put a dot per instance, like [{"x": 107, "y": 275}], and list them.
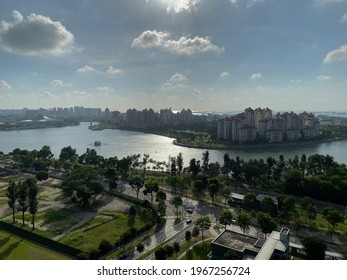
[{"x": 276, "y": 246}]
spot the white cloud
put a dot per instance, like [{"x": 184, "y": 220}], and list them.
[
  {"x": 35, "y": 35},
  {"x": 4, "y": 85},
  {"x": 224, "y": 75},
  {"x": 324, "y": 78},
  {"x": 181, "y": 5},
  {"x": 59, "y": 83},
  {"x": 248, "y": 3},
  {"x": 343, "y": 19},
  {"x": 104, "y": 91},
  {"x": 177, "y": 6},
  {"x": 87, "y": 69},
  {"x": 170, "y": 86},
  {"x": 113, "y": 72},
  {"x": 178, "y": 77},
  {"x": 336, "y": 55},
  {"x": 256, "y": 76},
  {"x": 47, "y": 95},
  {"x": 181, "y": 46}
]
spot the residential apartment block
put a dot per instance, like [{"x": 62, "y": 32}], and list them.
[
  {"x": 147, "y": 118},
  {"x": 261, "y": 124}
]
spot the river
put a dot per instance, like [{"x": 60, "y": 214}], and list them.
[{"x": 122, "y": 143}]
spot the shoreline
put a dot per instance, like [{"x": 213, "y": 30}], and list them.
[{"x": 240, "y": 147}]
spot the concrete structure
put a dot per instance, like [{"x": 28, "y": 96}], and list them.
[{"x": 275, "y": 247}]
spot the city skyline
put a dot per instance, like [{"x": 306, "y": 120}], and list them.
[{"x": 221, "y": 56}]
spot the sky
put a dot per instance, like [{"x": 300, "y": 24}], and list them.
[{"x": 206, "y": 55}]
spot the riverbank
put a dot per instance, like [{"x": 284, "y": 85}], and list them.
[
  {"x": 261, "y": 145},
  {"x": 234, "y": 146}
]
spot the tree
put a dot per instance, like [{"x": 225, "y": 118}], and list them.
[
  {"x": 12, "y": 195},
  {"x": 195, "y": 232},
  {"x": 111, "y": 175},
  {"x": 150, "y": 189},
  {"x": 140, "y": 248},
  {"x": 213, "y": 188},
  {"x": 161, "y": 195},
  {"x": 205, "y": 162},
  {"x": 161, "y": 208},
  {"x": 226, "y": 218},
  {"x": 132, "y": 212},
  {"x": 188, "y": 235},
  {"x": 23, "y": 199},
  {"x": 250, "y": 201},
  {"x": 177, "y": 202},
  {"x": 203, "y": 223},
  {"x": 32, "y": 197},
  {"x": 333, "y": 216},
  {"x": 244, "y": 220},
  {"x": 266, "y": 223},
  {"x": 314, "y": 248},
  {"x": 288, "y": 205},
  {"x": 136, "y": 184},
  {"x": 309, "y": 208},
  {"x": 225, "y": 191},
  {"x": 42, "y": 175},
  {"x": 68, "y": 154},
  {"x": 160, "y": 254},
  {"x": 268, "y": 204},
  {"x": 194, "y": 167},
  {"x": 82, "y": 186},
  {"x": 176, "y": 247},
  {"x": 179, "y": 162},
  {"x": 104, "y": 247}
]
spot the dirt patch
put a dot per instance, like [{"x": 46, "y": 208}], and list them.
[
  {"x": 112, "y": 204},
  {"x": 49, "y": 194}
]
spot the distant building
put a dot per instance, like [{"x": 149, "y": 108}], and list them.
[{"x": 263, "y": 125}]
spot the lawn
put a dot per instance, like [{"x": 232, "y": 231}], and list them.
[
  {"x": 48, "y": 223},
  {"x": 199, "y": 252},
  {"x": 15, "y": 248},
  {"x": 110, "y": 228}
]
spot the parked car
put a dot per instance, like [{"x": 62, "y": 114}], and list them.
[
  {"x": 189, "y": 210},
  {"x": 189, "y": 222}
]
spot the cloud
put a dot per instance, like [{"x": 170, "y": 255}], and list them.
[
  {"x": 4, "y": 85},
  {"x": 59, "y": 83},
  {"x": 181, "y": 5},
  {"x": 47, "y": 95},
  {"x": 248, "y": 3},
  {"x": 224, "y": 75},
  {"x": 87, "y": 69},
  {"x": 323, "y": 78},
  {"x": 330, "y": 1},
  {"x": 171, "y": 86},
  {"x": 35, "y": 35},
  {"x": 104, "y": 91},
  {"x": 177, "y": 6},
  {"x": 256, "y": 76},
  {"x": 336, "y": 55},
  {"x": 343, "y": 19},
  {"x": 178, "y": 77},
  {"x": 113, "y": 72},
  {"x": 182, "y": 46}
]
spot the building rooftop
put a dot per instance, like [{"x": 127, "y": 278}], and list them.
[{"x": 237, "y": 241}]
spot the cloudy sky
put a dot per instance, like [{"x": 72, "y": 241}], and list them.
[{"x": 207, "y": 55}]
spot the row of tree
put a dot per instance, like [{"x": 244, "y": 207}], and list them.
[{"x": 23, "y": 196}]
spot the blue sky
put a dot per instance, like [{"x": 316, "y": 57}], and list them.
[{"x": 207, "y": 55}]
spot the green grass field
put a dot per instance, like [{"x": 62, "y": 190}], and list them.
[
  {"x": 15, "y": 248},
  {"x": 199, "y": 252},
  {"x": 89, "y": 236}
]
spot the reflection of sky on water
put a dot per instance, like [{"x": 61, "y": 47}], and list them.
[{"x": 123, "y": 143}]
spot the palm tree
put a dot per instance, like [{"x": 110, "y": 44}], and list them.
[{"x": 12, "y": 197}]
